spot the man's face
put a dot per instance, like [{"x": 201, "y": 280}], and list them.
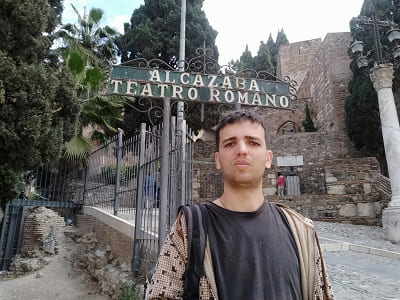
[{"x": 242, "y": 153}]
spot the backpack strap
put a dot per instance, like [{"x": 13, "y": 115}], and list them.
[{"x": 197, "y": 225}]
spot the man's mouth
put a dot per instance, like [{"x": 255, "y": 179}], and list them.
[{"x": 241, "y": 163}]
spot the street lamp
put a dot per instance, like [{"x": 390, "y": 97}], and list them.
[{"x": 381, "y": 75}]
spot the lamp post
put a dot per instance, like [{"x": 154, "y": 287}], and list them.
[{"x": 381, "y": 75}]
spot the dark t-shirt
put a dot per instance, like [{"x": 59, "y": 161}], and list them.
[{"x": 254, "y": 254}]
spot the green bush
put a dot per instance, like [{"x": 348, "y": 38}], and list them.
[{"x": 128, "y": 292}]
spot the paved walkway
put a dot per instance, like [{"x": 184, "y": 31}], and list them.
[{"x": 356, "y": 275}]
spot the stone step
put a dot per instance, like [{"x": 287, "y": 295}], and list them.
[{"x": 334, "y": 245}]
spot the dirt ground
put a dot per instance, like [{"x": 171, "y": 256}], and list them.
[{"x": 59, "y": 282}]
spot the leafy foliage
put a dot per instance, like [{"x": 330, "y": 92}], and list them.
[
  {"x": 362, "y": 110},
  {"x": 128, "y": 292},
  {"x": 88, "y": 38},
  {"x": 86, "y": 46},
  {"x": 38, "y": 105},
  {"x": 153, "y": 31}
]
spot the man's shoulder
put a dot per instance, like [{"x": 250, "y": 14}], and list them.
[{"x": 294, "y": 215}]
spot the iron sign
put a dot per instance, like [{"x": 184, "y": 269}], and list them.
[{"x": 207, "y": 88}]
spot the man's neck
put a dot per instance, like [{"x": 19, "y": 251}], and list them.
[{"x": 241, "y": 199}]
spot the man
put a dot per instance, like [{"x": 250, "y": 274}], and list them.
[{"x": 255, "y": 249}]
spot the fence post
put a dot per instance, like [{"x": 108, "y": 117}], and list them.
[
  {"x": 183, "y": 163},
  {"x": 118, "y": 171},
  {"x": 2, "y": 235},
  {"x": 163, "y": 209},
  {"x": 139, "y": 203},
  {"x": 10, "y": 237},
  {"x": 86, "y": 182},
  {"x": 173, "y": 189},
  {"x": 21, "y": 228}
]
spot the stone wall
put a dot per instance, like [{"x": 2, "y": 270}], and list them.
[
  {"x": 294, "y": 59},
  {"x": 313, "y": 146},
  {"x": 334, "y": 186},
  {"x": 326, "y": 82},
  {"x": 322, "y": 72},
  {"x": 350, "y": 209}
]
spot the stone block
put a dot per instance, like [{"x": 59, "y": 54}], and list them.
[
  {"x": 378, "y": 207},
  {"x": 333, "y": 247},
  {"x": 330, "y": 179},
  {"x": 391, "y": 224},
  {"x": 367, "y": 188},
  {"x": 270, "y": 191},
  {"x": 359, "y": 248},
  {"x": 348, "y": 210},
  {"x": 336, "y": 189},
  {"x": 366, "y": 210},
  {"x": 384, "y": 253}
]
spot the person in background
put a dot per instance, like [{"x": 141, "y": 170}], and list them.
[{"x": 281, "y": 184}]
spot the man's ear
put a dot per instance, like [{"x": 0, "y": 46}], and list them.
[
  {"x": 217, "y": 161},
  {"x": 268, "y": 161}
]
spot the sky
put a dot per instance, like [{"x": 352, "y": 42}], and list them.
[{"x": 241, "y": 23}]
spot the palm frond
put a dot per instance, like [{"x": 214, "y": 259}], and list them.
[{"x": 77, "y": 149}]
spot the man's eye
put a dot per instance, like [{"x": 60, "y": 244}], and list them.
[
  {"x": 228, "y": 145},
  {"x": 255, "y": 143}
]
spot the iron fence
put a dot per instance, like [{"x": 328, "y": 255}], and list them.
[
  {"x": 56, "y": 184},
  {"x": 124, "y": 176}
]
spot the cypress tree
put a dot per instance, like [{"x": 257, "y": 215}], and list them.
[
  {"x": 153, "y": 32},
  {"x": 308, "y": 123},
  {"x": 38, "y": 105}
]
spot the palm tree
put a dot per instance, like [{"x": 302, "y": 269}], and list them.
[
  {"x": 86, "y": 45},
  {"x": 88, "y": 37}
]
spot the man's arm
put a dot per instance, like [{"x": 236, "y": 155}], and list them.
[
  {"x": 322, "y": 287},
  {"x": 167, "y": 282}
]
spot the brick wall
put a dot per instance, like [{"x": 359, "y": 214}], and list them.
[
  {"x": 294, "y": 59},
  {"x": 121, "y": 245},
  {"x": 326, "y": 82},
  {"x": 40, "y": 225},
  {"x": 322, "y": 72}
]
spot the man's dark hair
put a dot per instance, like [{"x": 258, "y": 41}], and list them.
[{"x": 233, "y": 117}]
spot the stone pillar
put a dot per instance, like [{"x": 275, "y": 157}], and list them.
[{"x": 382, "y": 77}]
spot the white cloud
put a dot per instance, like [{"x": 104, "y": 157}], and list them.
[
  {"x": 239, "y": 24},
  {"x": 118, "y": 22}
]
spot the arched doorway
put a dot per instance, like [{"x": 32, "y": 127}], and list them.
[{"x": 288, "y": 127}]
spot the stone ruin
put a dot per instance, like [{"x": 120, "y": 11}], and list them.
[
  {"x": 41, "y": 238},
  {"x": 100, "y": 264},
  {"x": 45, "y": 231}
]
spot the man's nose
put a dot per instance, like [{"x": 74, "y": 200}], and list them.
[{"x": 242, "y": 148}]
